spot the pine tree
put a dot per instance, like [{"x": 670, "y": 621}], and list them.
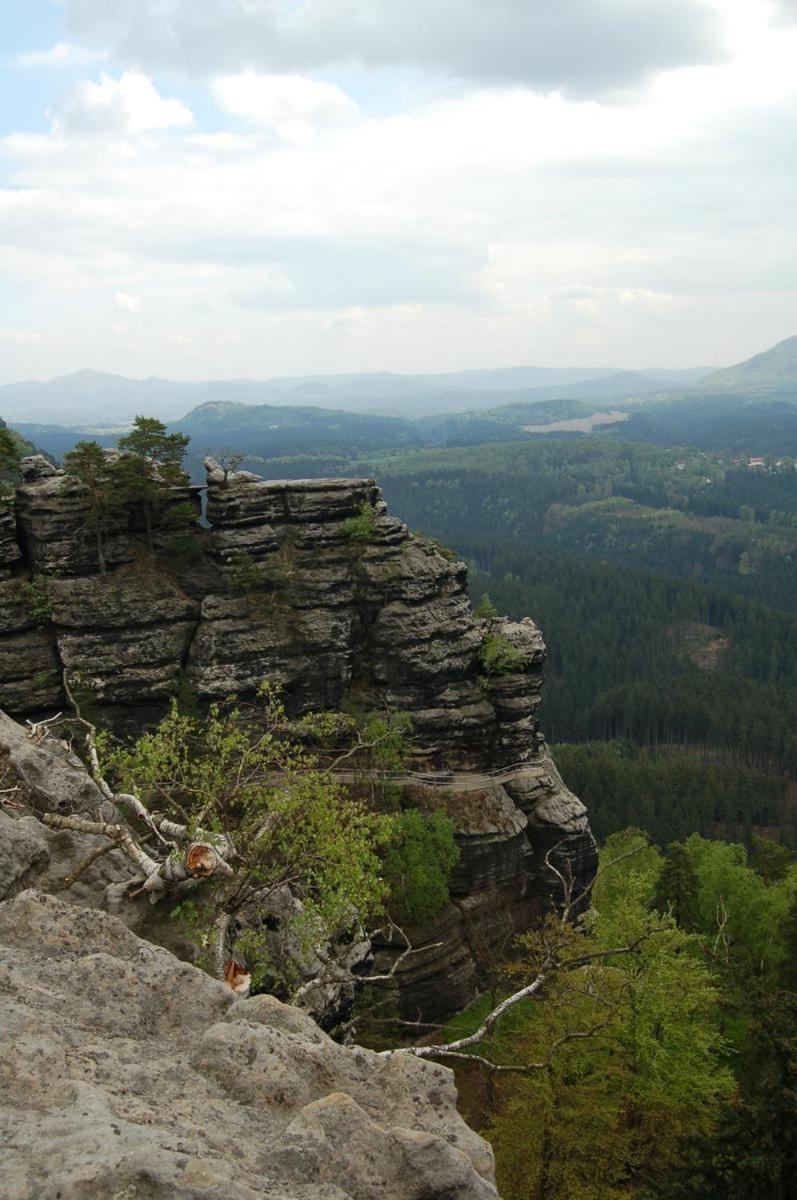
[
  {"x": 88, "y": 466},
  {"x": 150, "y": 466},
  {"x": 678, "y": 888}
]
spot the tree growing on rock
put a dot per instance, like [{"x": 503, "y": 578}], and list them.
[
  {"x": 88, "y": 466},
  {"x": 150, "y": 471},
  {"x": 236, "y": 821}
]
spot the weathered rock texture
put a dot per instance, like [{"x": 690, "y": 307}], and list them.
[
  {"x": 314, "y": 585},
  {"x": 126, "y": 1073}
]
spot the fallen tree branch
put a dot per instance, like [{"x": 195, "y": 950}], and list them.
[
  {"x": 63, "y": 885},
  {"x": 200, "y": 860}
]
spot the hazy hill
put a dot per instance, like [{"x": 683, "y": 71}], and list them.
[
  {"x": 775, "y": 370},
  {"x": 266, "y": 429},
  {"x": 89, "y": 397}
]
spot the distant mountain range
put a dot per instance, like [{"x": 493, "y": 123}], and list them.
[
  {"x": 751, "y": 406},
  {"x": 94, "y": 397}
]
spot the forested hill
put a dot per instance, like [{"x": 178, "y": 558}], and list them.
[{"x": 686, "y": 514}]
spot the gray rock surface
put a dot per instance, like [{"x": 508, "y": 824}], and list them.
[
  {"x": 127, "y": 1074},
  {"x": 54, "y": 776}
]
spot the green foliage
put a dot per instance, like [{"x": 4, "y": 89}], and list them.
[
  {"x": 788, "y": 966},
  {"x": 616, "y": 1103},
  {"x": 498, "y": 656},
  {"x": 486, "y": 609},
  {"x": 669, "y": 796},
  {"x": 236, "y": 774},
  {"x": 386, "y": 740},
  {"x": 770, "y": 858},
  {"x": 756, "y": 915},
  {"x": 187, "y": 698},
  {"x": 623, "y": 854},
  {"x": 87, "y": 465},
  {"x": 39, "y": 600},
  {"x": 752, "y": 1154},
  {"x": 247, "y": 575},
  {"x": 149, "y": 440},
  {"x": 9, "y": 461},
  {"x": 149, "y": 474},
  {"x": 363, "y": 526},
  {"x": 677, "y": 888},
  {"x": 417, "y": 863}
]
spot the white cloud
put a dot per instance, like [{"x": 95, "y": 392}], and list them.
[
  {"x": 294, "y": 106},
  {"x": 129, "y": 104},
  {"x": 127, "y": 303},
  {"x": 482, "y": 226},
  {"x": 62, "y": 54}
]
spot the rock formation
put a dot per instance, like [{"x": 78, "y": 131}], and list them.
[
  {"x": 126, "y": 1073},
  {"x": 311, "y": 584}
]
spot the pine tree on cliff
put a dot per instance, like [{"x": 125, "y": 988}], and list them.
[
  {"x": 150, "y": 466},
  {"x": 88, "y": 466},
  {"x": 678, "y": 887}
]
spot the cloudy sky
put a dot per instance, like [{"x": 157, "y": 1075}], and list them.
[{"x": 257, "y": 187}]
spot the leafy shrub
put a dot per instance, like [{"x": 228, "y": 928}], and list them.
[
  {"x": 361, "y": 527},
  {"x": 39, "y": 601},
  {"x": 417, "y": 863},
  {"x": 499, "y": 657}
]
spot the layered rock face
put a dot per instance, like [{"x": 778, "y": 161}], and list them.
[
  {"x": 126, "y": 1073},
  {"x": 312, "y": 584}
]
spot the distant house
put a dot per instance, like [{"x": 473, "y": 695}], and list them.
[{"x": 756, "y": 462}]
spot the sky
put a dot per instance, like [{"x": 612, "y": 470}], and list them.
[{"x": 263, "y": 187}]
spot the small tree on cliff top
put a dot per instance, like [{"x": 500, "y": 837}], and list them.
[{"x": 150, "y": 467}]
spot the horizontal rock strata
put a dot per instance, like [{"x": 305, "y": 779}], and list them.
[{"x": 313, "y": 585}]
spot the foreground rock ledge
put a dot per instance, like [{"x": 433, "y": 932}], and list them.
[{"x": 126, "y": 1073}]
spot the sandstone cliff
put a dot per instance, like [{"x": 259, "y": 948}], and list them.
[
  {"x": 126, "y": 1073},
  {"x": 314, "y": 585}
]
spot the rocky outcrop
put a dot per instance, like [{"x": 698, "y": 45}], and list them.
[
  {"x": 10, "y": 553},
  {"x": 126, "y": 1073},
  {"x": 312, "y": 584}
]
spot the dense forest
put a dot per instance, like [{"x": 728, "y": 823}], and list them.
[{"x": 661, "y": 1062}]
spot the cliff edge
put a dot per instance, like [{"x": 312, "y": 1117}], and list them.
[{"x": 314, "y": 585}]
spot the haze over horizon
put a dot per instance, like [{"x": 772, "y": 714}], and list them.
[{"x": 273, "y": 188}]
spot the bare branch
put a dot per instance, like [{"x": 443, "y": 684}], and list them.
[{"x": 63, "y": 885}]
